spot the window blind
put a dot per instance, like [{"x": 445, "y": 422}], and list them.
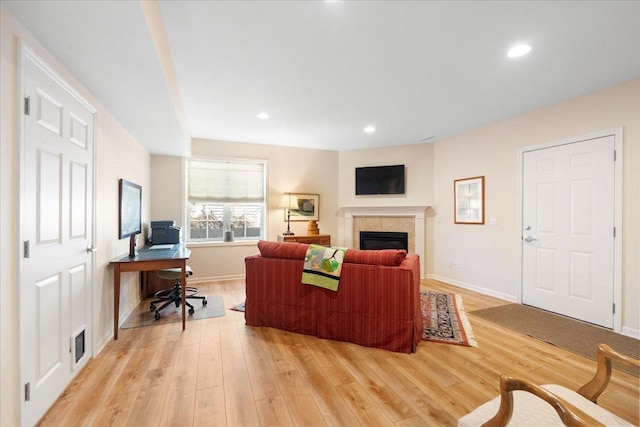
[{"x": 225, "y": 182}]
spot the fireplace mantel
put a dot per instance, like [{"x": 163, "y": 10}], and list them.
[
  {"x": 417, "y": 212},
  {"x": 383, "y": 210}
]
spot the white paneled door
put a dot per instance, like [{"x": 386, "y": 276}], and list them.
[
  {"x": 568, "y": 230},
  {"x": 56, "y": 223}
]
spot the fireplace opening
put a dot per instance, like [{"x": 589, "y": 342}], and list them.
[{"x": 384, "y": 240}]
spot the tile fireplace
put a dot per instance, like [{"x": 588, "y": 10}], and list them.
[{"x": 409, "y": 219}]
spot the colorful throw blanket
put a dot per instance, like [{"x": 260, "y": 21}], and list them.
[{"x": 322, "y": 266}]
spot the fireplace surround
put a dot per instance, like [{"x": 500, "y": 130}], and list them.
[{"x": 388, "y": 217}]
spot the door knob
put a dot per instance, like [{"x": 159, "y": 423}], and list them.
[
  {"x": 530, "y": 239},
  {"x": 91, "y": 249}
]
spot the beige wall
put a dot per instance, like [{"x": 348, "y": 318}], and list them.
[
  {"x": 487, "y": 255},
  {"x": 296, "y": 170},
  {"x": 418, "y": 160},
  {"x": 119, "y": 156}
]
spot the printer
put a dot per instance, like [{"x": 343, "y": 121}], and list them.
[{"x": 164, "y": 232}]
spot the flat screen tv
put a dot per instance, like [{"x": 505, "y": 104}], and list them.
[{"x": 380, "y": 180}]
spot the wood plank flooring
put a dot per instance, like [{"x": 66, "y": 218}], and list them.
[{"x": 220, "y": 372}]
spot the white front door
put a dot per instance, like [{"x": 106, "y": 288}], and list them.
[
  {"x": 568, "y": 230},
  {"x": 56, "y": 223}
]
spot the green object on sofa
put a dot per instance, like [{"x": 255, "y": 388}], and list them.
[{"x": 322, "y": 266}]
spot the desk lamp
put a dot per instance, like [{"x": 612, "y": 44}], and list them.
[{"x": 288, "y": 202}]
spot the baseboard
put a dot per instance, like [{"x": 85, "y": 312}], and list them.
[
  {"x": 216, "y": 278},
  {"x": 471, "y": 287},
  {"x": 630, "y": 332},
  {"x": 102, "y": 343}
]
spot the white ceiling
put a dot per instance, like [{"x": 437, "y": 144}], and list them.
[{"x": 324, "y": 70}]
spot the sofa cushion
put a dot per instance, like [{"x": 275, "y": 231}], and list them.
[
  {"x": 290, "y": 250},
  {"x": 390, "y": 257}
]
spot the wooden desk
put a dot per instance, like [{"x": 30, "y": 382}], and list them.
[
  {"x": 148, "y": 260},
  {"x": 316, "y": 239}
]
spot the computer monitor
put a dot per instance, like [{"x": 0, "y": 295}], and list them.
[{"x": 130, "y": 213}]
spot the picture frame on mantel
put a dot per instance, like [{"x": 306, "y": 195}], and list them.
[
  {"x": 309, "y": 205},
  {"x": 468, "y": 196}
]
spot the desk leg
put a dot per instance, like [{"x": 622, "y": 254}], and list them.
[
  {"x": 116, "y": 299},
  {"x": 183, "y": 280}
]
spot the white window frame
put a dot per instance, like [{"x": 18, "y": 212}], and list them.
[{"x": 187, "y": 212}]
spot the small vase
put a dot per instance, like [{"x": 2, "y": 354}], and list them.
[{"x": 228, "y": 236}]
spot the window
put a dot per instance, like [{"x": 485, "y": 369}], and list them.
[{"x": 225, "y": 196}]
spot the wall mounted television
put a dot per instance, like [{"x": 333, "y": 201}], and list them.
[{"x": 380, "y": 180}]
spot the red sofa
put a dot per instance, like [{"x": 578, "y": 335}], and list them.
[{"x": 377, "y": 303}]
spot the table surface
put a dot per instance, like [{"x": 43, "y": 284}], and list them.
[
  {"x": 147, "y": 259},
  {"x": 177, "y": 251}
]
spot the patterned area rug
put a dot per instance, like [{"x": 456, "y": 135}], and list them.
[{"x": 445, "y": 320}]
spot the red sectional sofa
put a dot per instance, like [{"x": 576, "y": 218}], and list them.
[{"x": 377, "y": 303}]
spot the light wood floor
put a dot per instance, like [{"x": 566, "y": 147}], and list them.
[{"x": 220, "y": 372}]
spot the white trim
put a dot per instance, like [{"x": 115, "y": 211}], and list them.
[
  {"x": 20, "y": 208},
  {"x": 30, "y": 54},
  {"x": 218, "y": 244},
  {"x": 417, "y": 212},
  {"x": 617, "y": 134},
  {"x": 183, "y": 199},
  {"x": 617, "y": 222},
  {"x": 630, "y": 332},
  {"x": 104, "y": 340},
  {"x": 184, "y": 192},
  {"x": 216, "y": 278},
  {"x": 472, "y": 287}
]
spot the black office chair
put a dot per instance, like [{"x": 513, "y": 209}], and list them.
[{"x": 174, "y": 294}]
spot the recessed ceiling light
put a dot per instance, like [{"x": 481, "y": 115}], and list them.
[
  {"x": 519, "y": 50},
  {"x": 369, "y": 129},
  {"x": 263, "y": 116}
]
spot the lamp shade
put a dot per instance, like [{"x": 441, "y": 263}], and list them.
[{"x": 289, "y": 201}]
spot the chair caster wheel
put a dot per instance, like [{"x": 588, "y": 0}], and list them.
[
  {"x": 157, "y": 316},
  {"x": 204, "y": 302},
  {"x": 152, "y": 307},
  {"x": 191, "y": 311}
]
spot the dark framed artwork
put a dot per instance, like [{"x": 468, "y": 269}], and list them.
[{"x": 308, "y": 207}]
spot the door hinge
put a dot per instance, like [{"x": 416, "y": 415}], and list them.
[
  {"x": 27, "y": 106},
  {"x": 26, "y": 249},
  {"x": 27, "y": 392},
  {"x": 614, "y": 308},
  {"x": 614, "y": 232},
  {"x": 615, "y": 155}
]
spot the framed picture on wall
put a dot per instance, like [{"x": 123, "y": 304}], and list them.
[
  {"x": 308, "y": 207},
  {"x": 468, "y": 196}
]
